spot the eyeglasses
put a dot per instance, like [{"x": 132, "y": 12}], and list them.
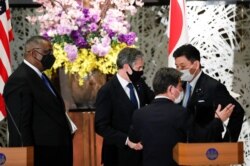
[{"x": 35, "y": 49}]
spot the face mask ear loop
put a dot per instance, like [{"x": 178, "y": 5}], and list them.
[{"x": 196, "y": 70}]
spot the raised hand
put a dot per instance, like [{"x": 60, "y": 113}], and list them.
[{"x": 225, "y": 113}]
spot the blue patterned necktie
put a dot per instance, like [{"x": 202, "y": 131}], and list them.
[
  {"x": 187, "y": 95},
  {"x": 132, "y": 94},
  {"x": 46, "y": 82}
]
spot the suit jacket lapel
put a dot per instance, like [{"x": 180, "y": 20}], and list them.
[
  {"x": 198, "y": 89},
  {"x": 46, "y": 97},
  {"x": 118, "y": 89}
]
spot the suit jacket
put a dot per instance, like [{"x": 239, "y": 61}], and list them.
[
  {"x": 207, "y": 94},
  {"x": 114, "y": 111},
  {"x": 160, "y": 126},
  {"x": 39, "y": 116}
]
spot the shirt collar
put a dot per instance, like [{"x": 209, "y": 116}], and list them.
[
  {"x": 123, "y": 82},
  {"x": 33, "y": 67},
  {"x": 194, "y": 81},
  {"x": 161, "y": 96}
]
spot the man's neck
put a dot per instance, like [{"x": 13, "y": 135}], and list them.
[
  {"x": 165, "y": 95},
  {"x": 123, "y": 74}
]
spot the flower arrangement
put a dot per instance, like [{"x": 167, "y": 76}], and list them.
[{"x": 86, "y": 39}]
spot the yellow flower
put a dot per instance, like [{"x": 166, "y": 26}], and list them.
[{"x": 86, "y": 61}]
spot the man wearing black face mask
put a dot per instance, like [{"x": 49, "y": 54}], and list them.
[
  {"x": 115, "y": 104},
  {"x": 36, "y": 113}
]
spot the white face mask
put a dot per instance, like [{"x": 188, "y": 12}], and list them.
[
  {"x": 179, "y": 98},
  {"x": 186, "y": 75}
]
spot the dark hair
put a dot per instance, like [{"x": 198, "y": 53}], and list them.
[
  {"x": 165, "y": 77},
  {"x": 189, "y": 51},
  {"x": 128, "y": 56}
]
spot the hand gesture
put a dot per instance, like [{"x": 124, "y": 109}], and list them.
[{"x": 224, "y": 114}]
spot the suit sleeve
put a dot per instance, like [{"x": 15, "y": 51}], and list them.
[
  {"x": 193, "y": 132},
  {"x": 135, "y": 128},
  {"x": 147, "y": 92},
  {"x": 103, "y": 119},
  {"x": 236, "y": 119},
  {"x": 19, "y": 102}
]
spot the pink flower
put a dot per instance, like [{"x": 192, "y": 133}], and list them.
[{"x": 71, "y": 51}]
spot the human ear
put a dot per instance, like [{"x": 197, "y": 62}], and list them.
[{"x": 128, "y": 68}]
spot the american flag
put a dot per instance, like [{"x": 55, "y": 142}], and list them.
[
  {"x": 6, "y": 36},
  {"x": 177, "y": 28}
]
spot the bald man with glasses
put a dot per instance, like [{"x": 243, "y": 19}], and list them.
[{"x": 36, "y": 113}]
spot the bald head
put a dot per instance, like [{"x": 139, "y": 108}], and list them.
[
  {"x": 38, "y": 52},
  {"x": 33, "y": 43}
]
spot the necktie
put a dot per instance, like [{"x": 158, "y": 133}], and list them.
[
  {"x": 187, "y": 95},
  {"x": 46, "y": 82},
  {"x": 132, "y": 94}
]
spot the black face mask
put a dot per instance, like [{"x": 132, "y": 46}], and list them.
[
  {"x": 48, "y": 60},
  {"x": 135, "y": 76}
]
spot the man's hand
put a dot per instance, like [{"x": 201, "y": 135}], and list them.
[
  {"x": 224, "y": 114},
  {"x": 135, "y": 146}
]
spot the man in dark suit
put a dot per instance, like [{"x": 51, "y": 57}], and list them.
[
  {"x": 115, "y": 105},
  {"x": 36, "y": 114},
  {"x": 160, "y": 125},
  {"x": 206, "y": 93}
]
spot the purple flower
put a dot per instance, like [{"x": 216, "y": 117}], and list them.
[
  {"x": 106, "y": 41},
  {"x": 129, "y": 38},
  {"x": 81, "y": 42},
  {"x": 62, "y": 30},
  {"x": 95, "y": 18},
  {"x": 46, "y": 36},
  {"x": 75, "y": 34},
  {"x": 93, "y": 27},
  {"x": 85, "y": 11},
  {"x": 100, "y": 50},
  {"x": 71, "y": 51},
  {"x": 78, "y": 39},
  {"x": 110, "y": 33}
]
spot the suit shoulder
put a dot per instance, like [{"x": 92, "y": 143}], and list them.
[
  {"x": 17, "y": 80},
  {"x": 109, "y": 86},
  {"x": 210, "y": 80}
]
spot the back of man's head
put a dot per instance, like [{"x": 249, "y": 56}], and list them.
[{"x": 165, "y": 77}]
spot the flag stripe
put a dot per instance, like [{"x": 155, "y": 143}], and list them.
[
  {"x": 176, "y": 23},
  {"x": 5, "y": 40},
  {"x": 3, "y": 72},
  {"x": 1, "y": 85},
  {"x": 177, "y": 28},
  {"x": 5, "y": 60},
  {"x": 8, "y": 16},
  {"x": 2, "y": 106},
  {"x": 6, "y": 35}
]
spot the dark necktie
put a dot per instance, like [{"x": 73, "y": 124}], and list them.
[
  {"x": 46, "y": 82},
  {"x": 132, "y": 94},
  {"x": 187, "y": 95}
]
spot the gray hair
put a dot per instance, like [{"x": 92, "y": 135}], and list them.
[{"x": 128, "y": 56}]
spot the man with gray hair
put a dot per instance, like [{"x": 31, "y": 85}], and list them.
[
  {"x": 160, "y": 125},
  {"x": 115, "y": 104}
]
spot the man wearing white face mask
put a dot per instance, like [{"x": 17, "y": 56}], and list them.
[
  {"x": 203, "y": 94},
  {"x": 163, "y": 123}
]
